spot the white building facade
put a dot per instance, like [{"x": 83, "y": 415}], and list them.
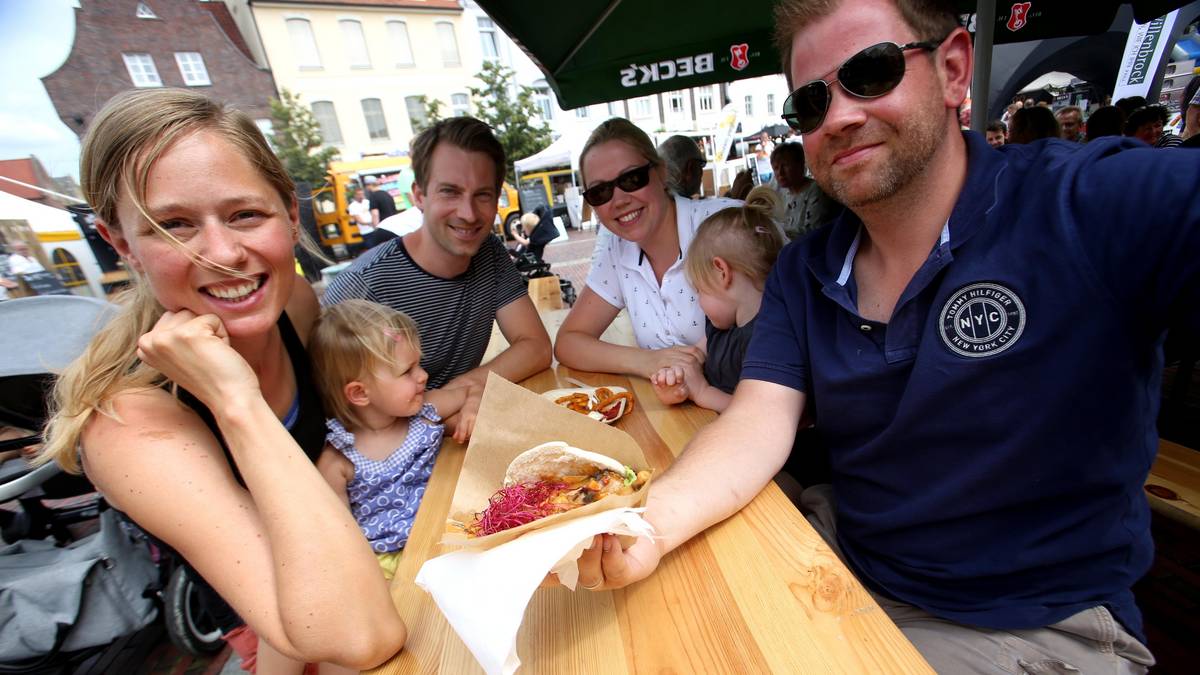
[{"x": 362, "y": 69}]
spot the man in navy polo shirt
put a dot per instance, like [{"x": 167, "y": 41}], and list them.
[{"x": 978, "y": 339}]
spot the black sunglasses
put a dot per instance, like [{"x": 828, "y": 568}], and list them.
[
  {"x": 870, "y": 73},
  {"x": 630, "y": 181}
]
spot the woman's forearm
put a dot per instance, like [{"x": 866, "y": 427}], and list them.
[
  {"x": 333, "y": 601},
  {"x": 576, "y": 349}
]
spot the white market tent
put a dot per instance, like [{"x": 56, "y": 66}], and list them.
[
  {"x": 561, "y": 153},
  {"x": 55, "y": 229}
]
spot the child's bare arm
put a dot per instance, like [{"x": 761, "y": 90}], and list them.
[
  {"x": 702, "y": 393},
  {"x": 337, "y": 471},
  {"x": 447, "y": 402}
]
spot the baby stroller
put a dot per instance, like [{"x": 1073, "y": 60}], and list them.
[
  {"x": 528, "y": 259},
  {"x": 80, "y": 585}
]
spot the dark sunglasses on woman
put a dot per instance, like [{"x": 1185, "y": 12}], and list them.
[
  {"x": 870, "y": 73},
  {"x": 630, "y": 181}
]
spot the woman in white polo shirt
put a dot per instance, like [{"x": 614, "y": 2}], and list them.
[{"x": 638, "y": 259}]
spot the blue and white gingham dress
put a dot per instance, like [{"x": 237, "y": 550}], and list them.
[{"x": 384, "y": 495}]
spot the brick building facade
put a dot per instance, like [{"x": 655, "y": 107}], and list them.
[{"x": 126, "y": 44}]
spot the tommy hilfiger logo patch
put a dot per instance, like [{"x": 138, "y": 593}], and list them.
[{"x": 982, "y": 319}]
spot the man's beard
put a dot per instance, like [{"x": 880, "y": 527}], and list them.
[{"x": 911, "y": 153}]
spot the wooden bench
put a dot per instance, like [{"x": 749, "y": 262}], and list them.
[{"x": 1173, "y": 486}]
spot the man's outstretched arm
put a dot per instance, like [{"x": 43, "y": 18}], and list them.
[{"x": 720, "y": 471}]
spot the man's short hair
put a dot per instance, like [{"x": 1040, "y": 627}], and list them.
[
  {"x": 929, "y": 19},
  {"x": 370, "y": 180},
  {"x": 793, "y": 152},
  {"x": 1105, "y": 121},
  {"x": 1032, "y": 123},
  {"x": 676, "y": 152},
  {"x": 463, "y": 132},
  {"x": 996, "y": 126},
  {"x": 1069, "y": 109}
]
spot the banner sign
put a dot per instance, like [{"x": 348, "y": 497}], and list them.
[{"x": 1143, "y": 53}]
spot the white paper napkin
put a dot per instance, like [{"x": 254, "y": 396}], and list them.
[{"x": 484, "y": 593}]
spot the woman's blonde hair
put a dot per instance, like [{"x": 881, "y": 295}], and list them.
[
  {"x": 127, "y": 136},
  {"x": 747, "y": 237},
  {"x": 620, "y": 129},
  {"x": 349, "y": 341}
]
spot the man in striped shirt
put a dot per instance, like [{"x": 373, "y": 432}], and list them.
[{"x": 451, "y": 275}]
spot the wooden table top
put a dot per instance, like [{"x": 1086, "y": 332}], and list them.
[
  {"x": 761, "y": 592},
  {"x": 1176, "y": 468}
]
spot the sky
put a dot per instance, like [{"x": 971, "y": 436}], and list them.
[{"x": 35, "y": 39}]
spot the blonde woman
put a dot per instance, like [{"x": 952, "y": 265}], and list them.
[
  {"x": 194, "y": 411},
  {"x": 638, "y": 260}
]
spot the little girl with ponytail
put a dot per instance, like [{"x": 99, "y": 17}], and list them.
[{"x": 727, "y": 263}]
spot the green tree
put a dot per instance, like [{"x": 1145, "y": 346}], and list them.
[
  {"x": 433, "y": 113},
  {"x": 516, "y": 120},
  {"x": 298, "y": 139}
]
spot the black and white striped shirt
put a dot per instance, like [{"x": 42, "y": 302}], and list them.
[{"x": 454, "y": 316}]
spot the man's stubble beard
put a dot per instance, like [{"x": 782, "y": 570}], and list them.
[{"x": 911, "y": 152}]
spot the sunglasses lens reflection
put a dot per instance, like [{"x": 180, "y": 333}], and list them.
[
  {"x": 870, "y": 73},
  {"x": 630, "y": 181}
]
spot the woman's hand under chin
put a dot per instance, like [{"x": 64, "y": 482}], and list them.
[{"x": 194, "y": 352}]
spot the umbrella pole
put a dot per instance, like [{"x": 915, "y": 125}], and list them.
[{"x": 985, "y": 28}]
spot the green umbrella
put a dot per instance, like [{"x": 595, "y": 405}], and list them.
[{"x": 594, "y": 51}]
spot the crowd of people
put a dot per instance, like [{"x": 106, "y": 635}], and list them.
[
  {"x": 1131, "y": 116},
  {"x": 974, "y": 333}
]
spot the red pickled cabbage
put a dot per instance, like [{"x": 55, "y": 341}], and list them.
[{"x": 516, "y": 505}]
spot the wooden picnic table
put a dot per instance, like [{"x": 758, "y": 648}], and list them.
[
  {"x": 761, "y": 592},
  {"x": 1172, "y": 484}
]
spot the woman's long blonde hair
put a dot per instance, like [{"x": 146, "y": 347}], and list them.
[{"x": 125, "y": 139}]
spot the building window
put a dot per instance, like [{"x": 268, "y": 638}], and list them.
[
  {"x": 327, "y": 120},
  {"x": 581, "y": 112},
  {"x": 542, "y": 99},
  {"x": 749, "y": 106},
  {"x": 144, "y": 11},
  {"x": 460, "y": 104},
  {"x": 376, "y": 124},
  {"x": 356, "y": 44},
  {"x": 416, "y": 112},
  {"x": 67, "y": 268},
  {"x": 398, "y": 32},
  {"x": 487, "y": 38},
  {"x": 191, "y": 67},
  {"x": 770, "y": 104},
  {"x": 705, "y": 99},
  {"x": 304, "y": 45},
  {"x": 141, "y": 70},
  {"x": 614, "y": 108},
  {"x": 675, "y": 102},
  {"x": 641, "y": 107},
  {"x": 445, "y": 31}
]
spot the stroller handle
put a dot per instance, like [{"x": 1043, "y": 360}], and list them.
[{"x": 19, "y": 486}]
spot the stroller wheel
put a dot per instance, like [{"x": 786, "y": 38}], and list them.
[{"x": 188, "y": 626}]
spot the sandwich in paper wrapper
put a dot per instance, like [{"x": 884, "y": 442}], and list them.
[
  {"x": 593, "y": 479},
  {"x": 532, "y": 464}
]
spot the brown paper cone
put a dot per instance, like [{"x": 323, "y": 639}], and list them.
[{"x": 511, "y": 420}]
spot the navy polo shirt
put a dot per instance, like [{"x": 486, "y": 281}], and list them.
[{"x": 990, "y": 441}]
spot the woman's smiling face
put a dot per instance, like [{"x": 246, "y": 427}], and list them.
[
  {"x": 633, "y": 216},
  {"x": 210, "y": 197}
]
